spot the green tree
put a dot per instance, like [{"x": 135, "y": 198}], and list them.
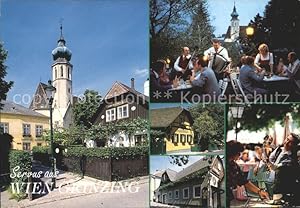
[
  {"x": 174, "y": 24},
  {"x": 209, "y": 124},
  {"x": 282, "y": 18},
  {"x": 4, "y": 85},
  {"x": 65, "y": 137},
  {"x": 258, "y": 117},
  {"x": 200, "y": 31},
  {"x": 5, "y": 147},
  {"x": 234, "y": 53},
  {"x": 279, "y": 28},
  {"x": 86, "y": 107},
  {"x": 179, "y": 160}
]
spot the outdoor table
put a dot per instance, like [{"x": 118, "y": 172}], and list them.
[
  {"x": 275, "y": 78},
  {"x": 277, "y": 84},
  {"x": 253, "y": 202},
  {"x": 183, "y": 85}
]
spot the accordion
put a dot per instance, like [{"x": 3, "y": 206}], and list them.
[{"x": 219, "y": 63}]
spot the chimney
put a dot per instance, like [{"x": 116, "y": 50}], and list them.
[{"x": 132, "y": 83}]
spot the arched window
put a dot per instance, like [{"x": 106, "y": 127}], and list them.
[
  {"x": 61, "y": 71},
  {"x": 55, "y": 71},
  {"x": 68, "y": 72}
]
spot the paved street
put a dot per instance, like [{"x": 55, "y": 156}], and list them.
[
  {"x": 74, "y": 191},
  {"x": 107, "y": 200}
]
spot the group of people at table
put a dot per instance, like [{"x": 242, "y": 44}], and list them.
[
  {"x": 202, "y": 73},
  {"x": 268, "y": 171}
]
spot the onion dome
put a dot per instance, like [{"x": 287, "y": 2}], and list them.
[{"x": 61, "y": 51}]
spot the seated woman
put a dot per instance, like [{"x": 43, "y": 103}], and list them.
[
  {"x": 164, "y": 77},
  {"x": 264, "y": 59},
  {"x": 244, "y": 159},
  {"x": 235, "y": 177},
  {"x": 156, "y": 72},
  {"x": 250, "y": 80}
]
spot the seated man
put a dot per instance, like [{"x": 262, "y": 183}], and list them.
[
  {"x": 183, "y": 64},
  {"x": 293, "y": 70},
  {"x": 284, "y": 163},
  {"x": 204, "y": 77},
  {"x": 157, "y": 70},
  {"x": 250, "y": 80}
]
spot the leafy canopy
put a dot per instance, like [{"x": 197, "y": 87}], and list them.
[{"x": 4, "y": 85}]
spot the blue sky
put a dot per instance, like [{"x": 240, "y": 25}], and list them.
[
  {"x": 108, "y": 39},
  {"x": 220, "y": 11},
  {"x": 163, "y": 162}
]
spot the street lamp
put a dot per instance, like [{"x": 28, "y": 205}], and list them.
[
  {"x": 236, "y": 113},
  {"x": 249, "y": 31},
  {"x": 50, "y": 90}
]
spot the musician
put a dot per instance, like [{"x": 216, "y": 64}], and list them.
[
  {"x": 268, "y": 145},
  {"x": 183, "y": 63},
  {"x": 283, "y": 160},
  {"x": 212, "y": 52}
]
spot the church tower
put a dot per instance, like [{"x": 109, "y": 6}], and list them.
[
  {"x": 62, "y": 81},
  {"x": 235, "y": 25},
  {"x": 61, "y": 71}
]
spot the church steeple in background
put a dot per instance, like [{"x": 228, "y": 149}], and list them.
[
  {"x": 235, "y": 24},
  {"x": 62, "y": 80},
  {"x": 234, "y": 14}
]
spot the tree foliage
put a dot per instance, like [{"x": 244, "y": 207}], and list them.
[
  {"x": 199, "y": 32},
  {"x": 178, "y": 23},
  {"x": 234, "y": 53},
  {"x": 4, "y": 85},
  {"x": 179, "y": 160},
  {"x": 65, "y": 137},
  {"x": 258, "y": 117},
  {"x": 282, "y": 19},
  {"x": 100, "y": 133},
  {"x": 86, "y": 107},
  {"x": 209, "y": 124}
]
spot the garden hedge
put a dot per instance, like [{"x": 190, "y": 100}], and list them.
[
  {"x": 23, "y": 160},
  {"x": 99, "y": 152}
]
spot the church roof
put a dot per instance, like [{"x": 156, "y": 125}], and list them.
[
  {"x": 13, "y": 108},
  {"x": 39, "y": 100},
  {"x": 242, "y": 33}
]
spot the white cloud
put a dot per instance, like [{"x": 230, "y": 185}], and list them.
[{"x": 141, "y": 73}]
